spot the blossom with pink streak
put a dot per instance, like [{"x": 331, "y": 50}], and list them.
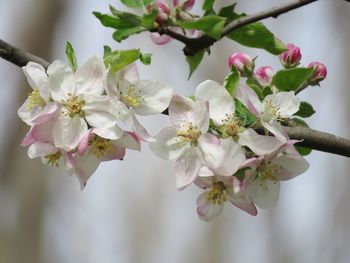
[
  {"x": 242, "y": 62},
  {"x": 320, "y": 73},
  {"x": 290, "y": 58}
]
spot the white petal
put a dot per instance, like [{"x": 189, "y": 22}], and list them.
[
  {"x": 91, "y": 76},
  {"x": 140, "y": 130},
  {"x": 166, "y": 144},
  {"x": 201, "y": 115},
  {"x": 243, "y": 203},
  {"x": 99, "y": 111},
  {"x": 220, "y": 101},
  {"x": 259, "y": 144},
  {"x": 62, "y": 81},
  {"x": 234, "y": 157},
  {"x": 205, "y": 172},
  {"x": 292, "y": 165},
  {"x": 155, "y": 97},
  {"x": 129, "y": 141},
  {"x": 286, "y": 103},
  {"x": 181, "y": 110},
  {"x": 112, "y": 133},
  {"x": 265, "y": 193},
  {"x": 38, "y": 79},
  {"x": 187, "y": 167},
  {"x": 129, "y": 73},
  {"x": 249, "y": 99},
  {"x": 37, "y": 114},
  {"x": 40, "y": 149},
  {"x": 213, "y": 153},
  {"x": 207, "y": 210},
  {"x": 68, "y": 132},
  {"x": 276, "y": 129}
]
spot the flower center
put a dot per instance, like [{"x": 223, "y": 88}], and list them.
[
  {"x": 271, "y": 112},
  {"x": 100, "y": 146},
  {"x": 131, "y": 96},
  {"x": 232, "y": 124},
  {"x": 73, "y": 106},
  {"x": 53, "y": 159},
  {"x": 35, "y": 99},
  {"x": 217, "y": 194},
  {"x": 188, "y": 134},
  {"x": 268, "y": 171}
]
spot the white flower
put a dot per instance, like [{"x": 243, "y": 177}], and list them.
[
  {"x": 37, "y": 108},
  {"x": 266, "y": 172},
  {"x": 188, "y": 141},
  {"x": 274, "y": 107},
  {"x": 222, "y": 112},
  {"x": 132, "y": 95},
  {"x": 80, "y": 95}
]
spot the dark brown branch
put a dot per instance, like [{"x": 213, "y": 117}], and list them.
[
  {"x": 193, "y": 45},
  {"x": 19, "y": 57},
  {"x": 313, "y": 139}
]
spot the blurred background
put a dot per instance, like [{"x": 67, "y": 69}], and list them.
[{"x": 130, "y": 211}]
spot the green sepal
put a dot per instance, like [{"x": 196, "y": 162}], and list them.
[
  {"x": 291, "y": 79},
  {"x": 303, "y": 150},
  {"x": 71, "y": 56},
  {"x": 150, "y": 16},
  {"x": 146, "y": 59}
]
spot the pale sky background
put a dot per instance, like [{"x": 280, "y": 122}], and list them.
[{"x": 131, "y": 211}]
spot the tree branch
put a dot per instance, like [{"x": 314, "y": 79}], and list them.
[
  {"x": 313, "y": 139},
  {"x": 193, "y": 45},
  {"x": 19, "y": 57}
]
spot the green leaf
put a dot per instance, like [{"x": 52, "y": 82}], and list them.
[
  {"x": 266, "y": 91},
  {"x": 231, "y": 81},
  {"x": 291, "y": 79},
  {"x": 303, "y": 150},
  {"x": 305, "y": 110},
  {"x": 254, "y": 84},
  {"x": 146, "y": 58},
  {"x": 148, "y": 18},
  {"x": 299, "y": 122},
  {"x": 194, "y": 61},
  {"x": 244, "y": 114},
  {"x": 258, "y": 36},
  {"x": 207, "y": 7},
  {"x": 129, "y": 19},
  {"x": 111, "y": 21},
  {"x": 121, "y": 58},
  {"x": 107, "y": 51},
  {"x": 122, "y": 34},
  {"x": 211, "y": 24},
  {"x": 228, "y": 12},
  {"x": 132, "y": 3},
  {"x": 71, "y": 56}
]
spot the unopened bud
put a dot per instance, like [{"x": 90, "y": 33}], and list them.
[
  {"x": 320, "y": 73},
  {"x": 184, "y": 5},
  {"x": 291, "y": 57},
  {"x": 242, "y": 62},
  {"x": 163, "y": 12},
  {"x": 264, "y": 75}
]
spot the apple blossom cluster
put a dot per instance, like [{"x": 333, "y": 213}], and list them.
[
  {"x": 75, "y": 114},
  {"x": 228, "y": 139}
]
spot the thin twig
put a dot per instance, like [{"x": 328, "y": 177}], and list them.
[
  {"x": 193, "y": 45},
  {"x": 313, "y": 139}
]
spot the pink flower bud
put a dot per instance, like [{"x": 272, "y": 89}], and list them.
[
  {"x": 242, "y": 62},
  {"x": 163, "y": 12},
  {"x": 291, "y": 57},
  {"x": 265, "y": 75},
  {"x": 184, "y": 5},
  {"x": 320, "y": 73}
]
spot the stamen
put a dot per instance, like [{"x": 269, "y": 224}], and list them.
[
  {"x": 73, "y": 106},
  {"x": 268, "y": 171},
  {"x": 132, "y": 97},
  {"x": 217, "y": 194},
  {"x": 100, "y": 146},
  {"x": 53, "y": 159},
  {"x": 35, "y": 99},
  {"x": 188, "y": 134},
  {"x": 232, "y": 124}
]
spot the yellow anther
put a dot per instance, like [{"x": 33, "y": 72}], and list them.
[
  {"x": 73, "y": 105},
  {"x": 100, "y": 146},
  {"x": 35, "y": 99},
  {"x": 217, "y": 194},
  {"x": 131, "y": 96},
  {"x": 53, "y": 159},
  {"x": 232, "y": 123},
  {"x": 188, "y": 134},
  {"x": 268, "y": 171}
]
